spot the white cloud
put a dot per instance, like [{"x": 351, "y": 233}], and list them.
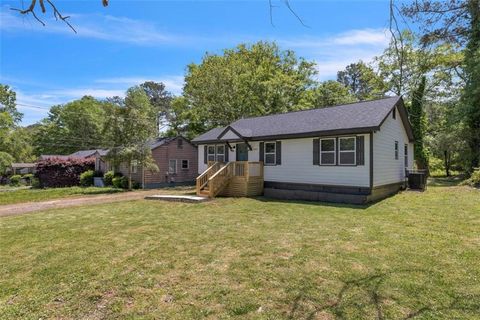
[
  {"x": 174, "y": 84},
  {"x": 333, "y": 53},
  {"x": 93, "y": 26}
]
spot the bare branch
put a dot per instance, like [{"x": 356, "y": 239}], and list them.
[
  {"x": 58, "y": 15},
  {"x": 287, "y": 3}
]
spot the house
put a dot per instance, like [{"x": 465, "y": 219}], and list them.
[
  {"x": 23, "y": 168},
  {"x": 82, "y": 154},
  {"x": 175, "y": 157},
  {"x": 353, "y": 153}
]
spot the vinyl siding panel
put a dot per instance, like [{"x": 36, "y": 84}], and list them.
[
  {"x": 297, "y": 167},
  {"x": 386, "y": 168}
]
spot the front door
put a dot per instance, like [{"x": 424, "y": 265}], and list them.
[{"x": 242, "y": 152}]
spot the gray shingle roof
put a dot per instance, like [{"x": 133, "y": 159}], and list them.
[{"x": 350, "y": 117}]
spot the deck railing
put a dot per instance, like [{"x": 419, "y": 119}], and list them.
[
  {"x": 218, "y": 175},
  {"x": 202, "y": 180}
]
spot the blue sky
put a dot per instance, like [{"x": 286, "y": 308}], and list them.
[{"x": 133, "y": 41}]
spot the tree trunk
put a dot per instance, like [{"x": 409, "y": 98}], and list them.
[
  {"x": 447, "y": 163},
  {"x": 129, "y": 175}
]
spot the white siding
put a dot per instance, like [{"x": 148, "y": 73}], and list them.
[
  {"x": 386, "y": 168},
  {"x": 297, "y": 167},
  {"x": 201, "y": 162}
]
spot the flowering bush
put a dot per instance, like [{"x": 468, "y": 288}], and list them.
[{"x": 56, "y": 172}]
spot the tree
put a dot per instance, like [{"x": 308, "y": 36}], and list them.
[
  {"x": 5, "y": 162},
  {"x": 161, "y": 100},
  {"x": 328, "y": 93},
  {"x": 361, "y": 81},
  {"x": 8, "y": 106},
  {"x": 249, "y": 80},
  {"x": 458, "y": 22},
  {"x": 130, "y": 129},
  {"x": 77, "y": 125},
  {"x": 419, "y": 124},
  {"x": 471, "y": 94}
]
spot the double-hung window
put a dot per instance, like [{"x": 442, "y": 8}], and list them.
[
  {"x": 405, "y": 152},
  {"x": 216, "y": 153},
  {"x": 396, "y": 150},
  {"x": 270, "y": 153},
  {"x": 211, "y": 153},
  {"x": 184, "y": 164},
  {"x": 220, "y": 157},
  {"x": 327, "y": 151},
  {"x": 172, "y": 166},
  {"x": 347, "y": 151}
]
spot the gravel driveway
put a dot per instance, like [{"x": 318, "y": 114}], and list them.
[{"x": 21, "y": 208}]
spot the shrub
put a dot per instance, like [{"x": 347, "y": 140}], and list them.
[
  {"x": 15, "y": 180},
  {"x": 35, "y": 183},
  {"x": 86, "y": 178},
  {"x": 120, "y": 182},
  {"x": 28, "y": 178},
  {"x": 107, "y": 178},
  {"x": 56, "y": 172},
  {"x": 474, "y": 180}
]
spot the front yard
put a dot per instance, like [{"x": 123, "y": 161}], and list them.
[
  {"x": 26, "y": 194},
  {"x": 414, "y": 255}
]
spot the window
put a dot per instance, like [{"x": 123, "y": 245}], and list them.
[
  {"x": 134, "y": 166},
  {"x": 327, "y": 151},
  {"x": 216, "y": 153},
  {"x": 184, "y": 164},
  {"x": 270, "y": 153},
  {"x": 394, "y": 113},
  {"x": 179, "y": 144},
  {"x": 172, "y": 166},
  {"x": 211, "y": 153},
  {"x": 347, "y": 152},
  {"x": 396, "y": 150},
  {"x": 220, "y": 153},
  {"x": 406, "y": 155}
]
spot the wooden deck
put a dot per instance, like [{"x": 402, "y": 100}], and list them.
[{"x": 232, "y": 179}]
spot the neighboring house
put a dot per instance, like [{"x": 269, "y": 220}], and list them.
[
  {"x": 176, "y": 159},
  {"x": 82, "y": 154},
  {"x": 23, "y": 168},
  {"x": 352, "y": 153}
]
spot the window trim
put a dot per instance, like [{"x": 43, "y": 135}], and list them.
[
  {"x": 354, "y": 151},
  {"x": 188, "y": 164},
  {"x": 334, "y": 152},
  {"x": 396, "y": 150},
  {"x": 170, "y": 160},
  {"x": 269, "y": 153},
  {"x": 405, "y": 155}
]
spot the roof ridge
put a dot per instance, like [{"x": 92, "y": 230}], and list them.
[{"x": 326, "y": 107}]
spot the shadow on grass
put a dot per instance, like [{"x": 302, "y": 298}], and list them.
[
  {"x": 445, "y": 181},
  {"x": 370, "y": 286},
  {"x": 318, "y": 203}
]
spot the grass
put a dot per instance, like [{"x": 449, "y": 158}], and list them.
[
  {"x": 414, "y": 255},
  {"x": 19, "y": 195}
]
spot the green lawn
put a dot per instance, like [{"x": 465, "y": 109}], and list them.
[
  {"x": 414, "y": 255},
  {"x": 19, "y": 195}
]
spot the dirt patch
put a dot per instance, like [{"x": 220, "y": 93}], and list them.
[{"x": 22, "y": 208}]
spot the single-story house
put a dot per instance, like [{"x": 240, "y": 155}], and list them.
[
  {"x": 23, "y": 168},
  {"x": 82, "y": 154},
  {"x": 353, "y": 153},
  {"x": 175, "y": 157}
]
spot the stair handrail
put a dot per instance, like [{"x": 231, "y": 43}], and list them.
[
  {"x": 202, "y": 179},
  {"x": 217, "y": 180}
]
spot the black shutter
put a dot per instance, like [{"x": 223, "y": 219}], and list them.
[
  {"x": 278, "y": 151},
  {"x": 360, "y": 151},
  {"x": 316, "y": 152},
  {"x": 337, "y": 152},
  {"x": 261, "y": 152},
  {"x": 205, "y": 160},
  {"x": 227, "y": 149}
]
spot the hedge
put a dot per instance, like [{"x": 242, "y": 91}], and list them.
[{"x": 57, "y": 173}]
